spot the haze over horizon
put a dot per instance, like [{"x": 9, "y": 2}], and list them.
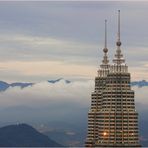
[{"x": 48, "y": 40}]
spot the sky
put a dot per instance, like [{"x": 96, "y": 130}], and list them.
[{"x": 48, "y": 40}]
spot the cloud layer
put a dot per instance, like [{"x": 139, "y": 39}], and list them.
[
  {"x": 69, "y": 33},
  {"x": 45, "y": 102},
  {"x": 43, "y": 93}
]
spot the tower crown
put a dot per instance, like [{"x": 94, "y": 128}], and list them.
[
  {"x": 118, "y": 56},
  {"x": 104, "y": 67}
]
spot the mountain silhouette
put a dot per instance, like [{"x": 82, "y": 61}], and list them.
[
  {"x": 58, "y": 80},
  {"x": 141, "y": 83},
  {"x": 23, "y": 135},
  {"x": 4, "y": 85}
]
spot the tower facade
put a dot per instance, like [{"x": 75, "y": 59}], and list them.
[{"x": 112, "y": 118}]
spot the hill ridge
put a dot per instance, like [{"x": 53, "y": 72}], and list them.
[{"x": 24, "y": 135}]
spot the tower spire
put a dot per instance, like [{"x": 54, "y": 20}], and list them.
[
  {"x": 105, "y": 50},
  {"x": 105, "y": 46},
  {"x": 118, "y": 34},
  {"x": 118, "y": 56}
]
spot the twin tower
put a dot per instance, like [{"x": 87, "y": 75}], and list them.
[{"x": 112, "y": 118}]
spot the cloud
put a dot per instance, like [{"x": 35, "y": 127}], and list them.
[
  {"x": 48, "y": 68},
  {"x": 46, "y": 102},
  {"x": 141, "y": 97},
  {"x": 26, "y": 47},
  {"x": 77, "y": 92},
  {"x": 44, "y": 92},
  {"x": 70, "y": 33}
]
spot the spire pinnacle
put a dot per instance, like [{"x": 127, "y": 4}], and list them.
[
  {"x": 105, "y": 50},
  {"x": 118, "y": 34},
  {"x": 105, "y": 46}
]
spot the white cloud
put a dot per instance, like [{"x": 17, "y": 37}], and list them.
[
  {"x": 77, "y": 92},
  {"x": 55, "y": 102},
  {"x": 44, "y": 92},
  {"x": 141, "y": 94}
]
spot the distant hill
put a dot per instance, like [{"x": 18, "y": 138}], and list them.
[
  {"x": 139, "y": 83},
  {"x": 57, "y": 80},
  {"x": 4, "y": 85},
  {"x": 23, "y": 135}
]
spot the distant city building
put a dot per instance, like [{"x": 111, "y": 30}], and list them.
[{"x": 112, "y": 118}]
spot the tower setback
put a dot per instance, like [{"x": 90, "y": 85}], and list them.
[{"x": 112, "y": 118}]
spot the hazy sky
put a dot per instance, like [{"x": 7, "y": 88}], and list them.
[
  {"x": 50, "y": 40},
  {"x": 45, "y": 40}
]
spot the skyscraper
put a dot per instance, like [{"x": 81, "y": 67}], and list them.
[{"x": 112, "y": 118}]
